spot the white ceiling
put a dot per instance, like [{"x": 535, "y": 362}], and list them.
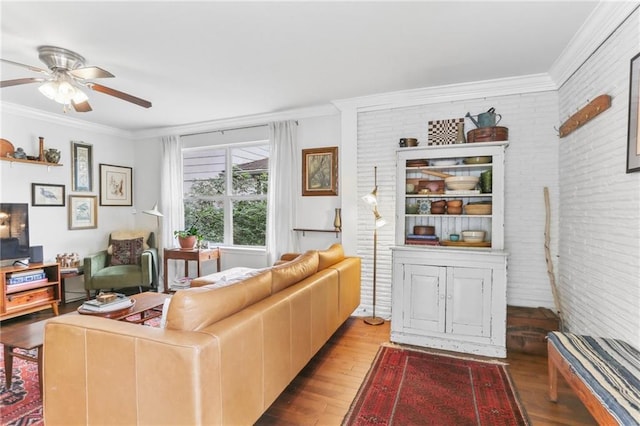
[{"x": 202, "y": 61}]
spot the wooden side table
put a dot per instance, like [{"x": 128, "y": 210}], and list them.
[
  {"x": 196, "y": 255},
  {"x": 63, "y": 277}
]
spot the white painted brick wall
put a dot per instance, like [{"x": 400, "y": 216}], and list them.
[
  {"x": 531, "y": 164},
  {"x": 599, "y": 270}
]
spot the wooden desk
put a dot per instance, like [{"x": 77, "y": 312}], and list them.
[{"x": 196, "y": 255}]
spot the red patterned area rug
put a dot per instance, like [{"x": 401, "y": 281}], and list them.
[
  {"x": 20, "y": 404},
  {"x": 406, "y": 387}
]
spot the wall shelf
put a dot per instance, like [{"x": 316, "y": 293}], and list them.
[
  {"x": 21, "y": 160},
  {"x": 304, "y": 230}
]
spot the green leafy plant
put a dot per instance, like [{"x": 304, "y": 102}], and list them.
[{"x": 191, "y": 231}]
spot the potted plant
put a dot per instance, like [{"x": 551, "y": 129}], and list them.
[{"x": 188, "y": 238}]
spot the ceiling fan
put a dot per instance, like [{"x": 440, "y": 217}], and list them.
[{"x": 66, "y": 75}]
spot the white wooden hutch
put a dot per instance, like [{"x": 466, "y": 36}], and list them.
[{"x": 451, "y": 296}]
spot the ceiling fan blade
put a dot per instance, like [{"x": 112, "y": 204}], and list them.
[
  {"x": 29, "y": 67},
  {"x": 88, "y": 73},
  {"x": 18, "y": 81},
  {"x": 118, "y": 94},
  {"x": 82, "y": 106}
]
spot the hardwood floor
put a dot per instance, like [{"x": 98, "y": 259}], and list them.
[{"x": 322, "y": 393}]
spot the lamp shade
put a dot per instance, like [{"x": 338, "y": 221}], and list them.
[
  {"x": 372, "y": 197},
  {"x": 154, "y": 211}
]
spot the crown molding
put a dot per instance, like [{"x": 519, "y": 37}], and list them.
[
  {"x": 37, "y": 114},
  {"x": 450, "y": 92},
  {"x": 600, "y": 24},
  {"x": 237, "y": 122}
]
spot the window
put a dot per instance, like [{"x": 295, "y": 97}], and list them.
[{"x": 229, "y": 209}]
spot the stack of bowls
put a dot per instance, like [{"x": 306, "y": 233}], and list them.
[
  {"x": 454, "y": 207},
  {"x": 438, "y": 207}
]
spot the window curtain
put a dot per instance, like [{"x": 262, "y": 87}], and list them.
[
  {"x": 283, "y": 175},
  {"x": 171, "y": 196}
]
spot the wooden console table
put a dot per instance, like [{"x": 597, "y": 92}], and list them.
[{"x": 196, "y": 255}]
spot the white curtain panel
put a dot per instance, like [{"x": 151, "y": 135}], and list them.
[
  {"x": 171, "y": 197},
  {"x": 283, "y": 173}
]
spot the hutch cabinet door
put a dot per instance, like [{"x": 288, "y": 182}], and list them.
[
  {"x": 424, "y": 298},
  {"x": 469, "y": 301}
]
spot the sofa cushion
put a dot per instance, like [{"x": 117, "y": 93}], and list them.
[
  {"x": 196, "y": 308},
  {"x": 127, "y": 252},
  {"x": 330, "y": 256},
  {"x": 294, "y": 271}
]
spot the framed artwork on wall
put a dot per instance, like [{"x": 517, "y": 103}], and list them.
[
  {"x": 633, "y": 147},
  {"x": 116, "y": 185},
  {"x": 83, "y": 211},
  {"x": 320, "y": 171},
  {"x": 81, "y": 167},
  {"x": 45, "y": 194}
]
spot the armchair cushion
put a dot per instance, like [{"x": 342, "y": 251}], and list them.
[{"x": 127, "y": 252}]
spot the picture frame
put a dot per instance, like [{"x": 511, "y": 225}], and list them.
[
  {"x": 81, "y": 167},
  {"x": 116, "y": 185},
  {"x": 83, "y": 212},
  {"x": 47, "y": 195},
  {"x": 320, "y": 171},
  {"x": 633, "y": 135}
]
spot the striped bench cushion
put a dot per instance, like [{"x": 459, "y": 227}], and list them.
[{"x": 609, "y": 368}]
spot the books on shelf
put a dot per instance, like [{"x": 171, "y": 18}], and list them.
[
  {"x": 27, "y": 272},
  {"x": 22, "y": 278},
  {"x": 423, "y": 241}
]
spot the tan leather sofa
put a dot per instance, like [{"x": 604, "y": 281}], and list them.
[{"x": 223, "y": 358}]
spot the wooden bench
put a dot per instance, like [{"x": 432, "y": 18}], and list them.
[{"x": 604, "y": 373}]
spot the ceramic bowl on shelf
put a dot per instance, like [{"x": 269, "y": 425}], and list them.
[
  {"x": 454, "y": 210},
  {"x": 461, "y": 182},
  {"x": 478, "y": 208},
  {"x": 473, "y": 236},
  {"x": 454, "y": 237},
  {"x": 454, "y": 203},
  {"x": 443, "y": 162},
  {"x": 477, "y": 160}
]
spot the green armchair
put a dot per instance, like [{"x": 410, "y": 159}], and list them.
[{"x": 131, "y": 260}]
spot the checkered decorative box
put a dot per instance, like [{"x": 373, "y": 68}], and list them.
[{"x": 444, "y": 132}]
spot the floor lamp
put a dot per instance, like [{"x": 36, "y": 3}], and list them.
[{"x": 372, "y": 200}]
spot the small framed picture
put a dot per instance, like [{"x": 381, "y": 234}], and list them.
[
  {"x": 633, "y": 141},
  {"x": 83, "y": 211},
  {"x": 81, "y": 167},
  {"x": 45, "y": 194},
  {"x": 116, "y": 185},
  {"x": 320, "y": 171}
]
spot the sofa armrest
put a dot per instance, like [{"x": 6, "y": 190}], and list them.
[
  {"x": 113, "y": 372},
  {"x": 92, "y": 264}
]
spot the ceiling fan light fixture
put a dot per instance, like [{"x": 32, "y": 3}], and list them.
[
  {"x": 49, "y": 89},
  {"x": 80, "y": 96},
  {"x": 63, "y": 92}
]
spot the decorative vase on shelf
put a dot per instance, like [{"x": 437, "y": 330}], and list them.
[
  {"x": 41, "y": 150},
  {"x": 337, "y": 220},
  {"x": 52, "y": 155}
]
